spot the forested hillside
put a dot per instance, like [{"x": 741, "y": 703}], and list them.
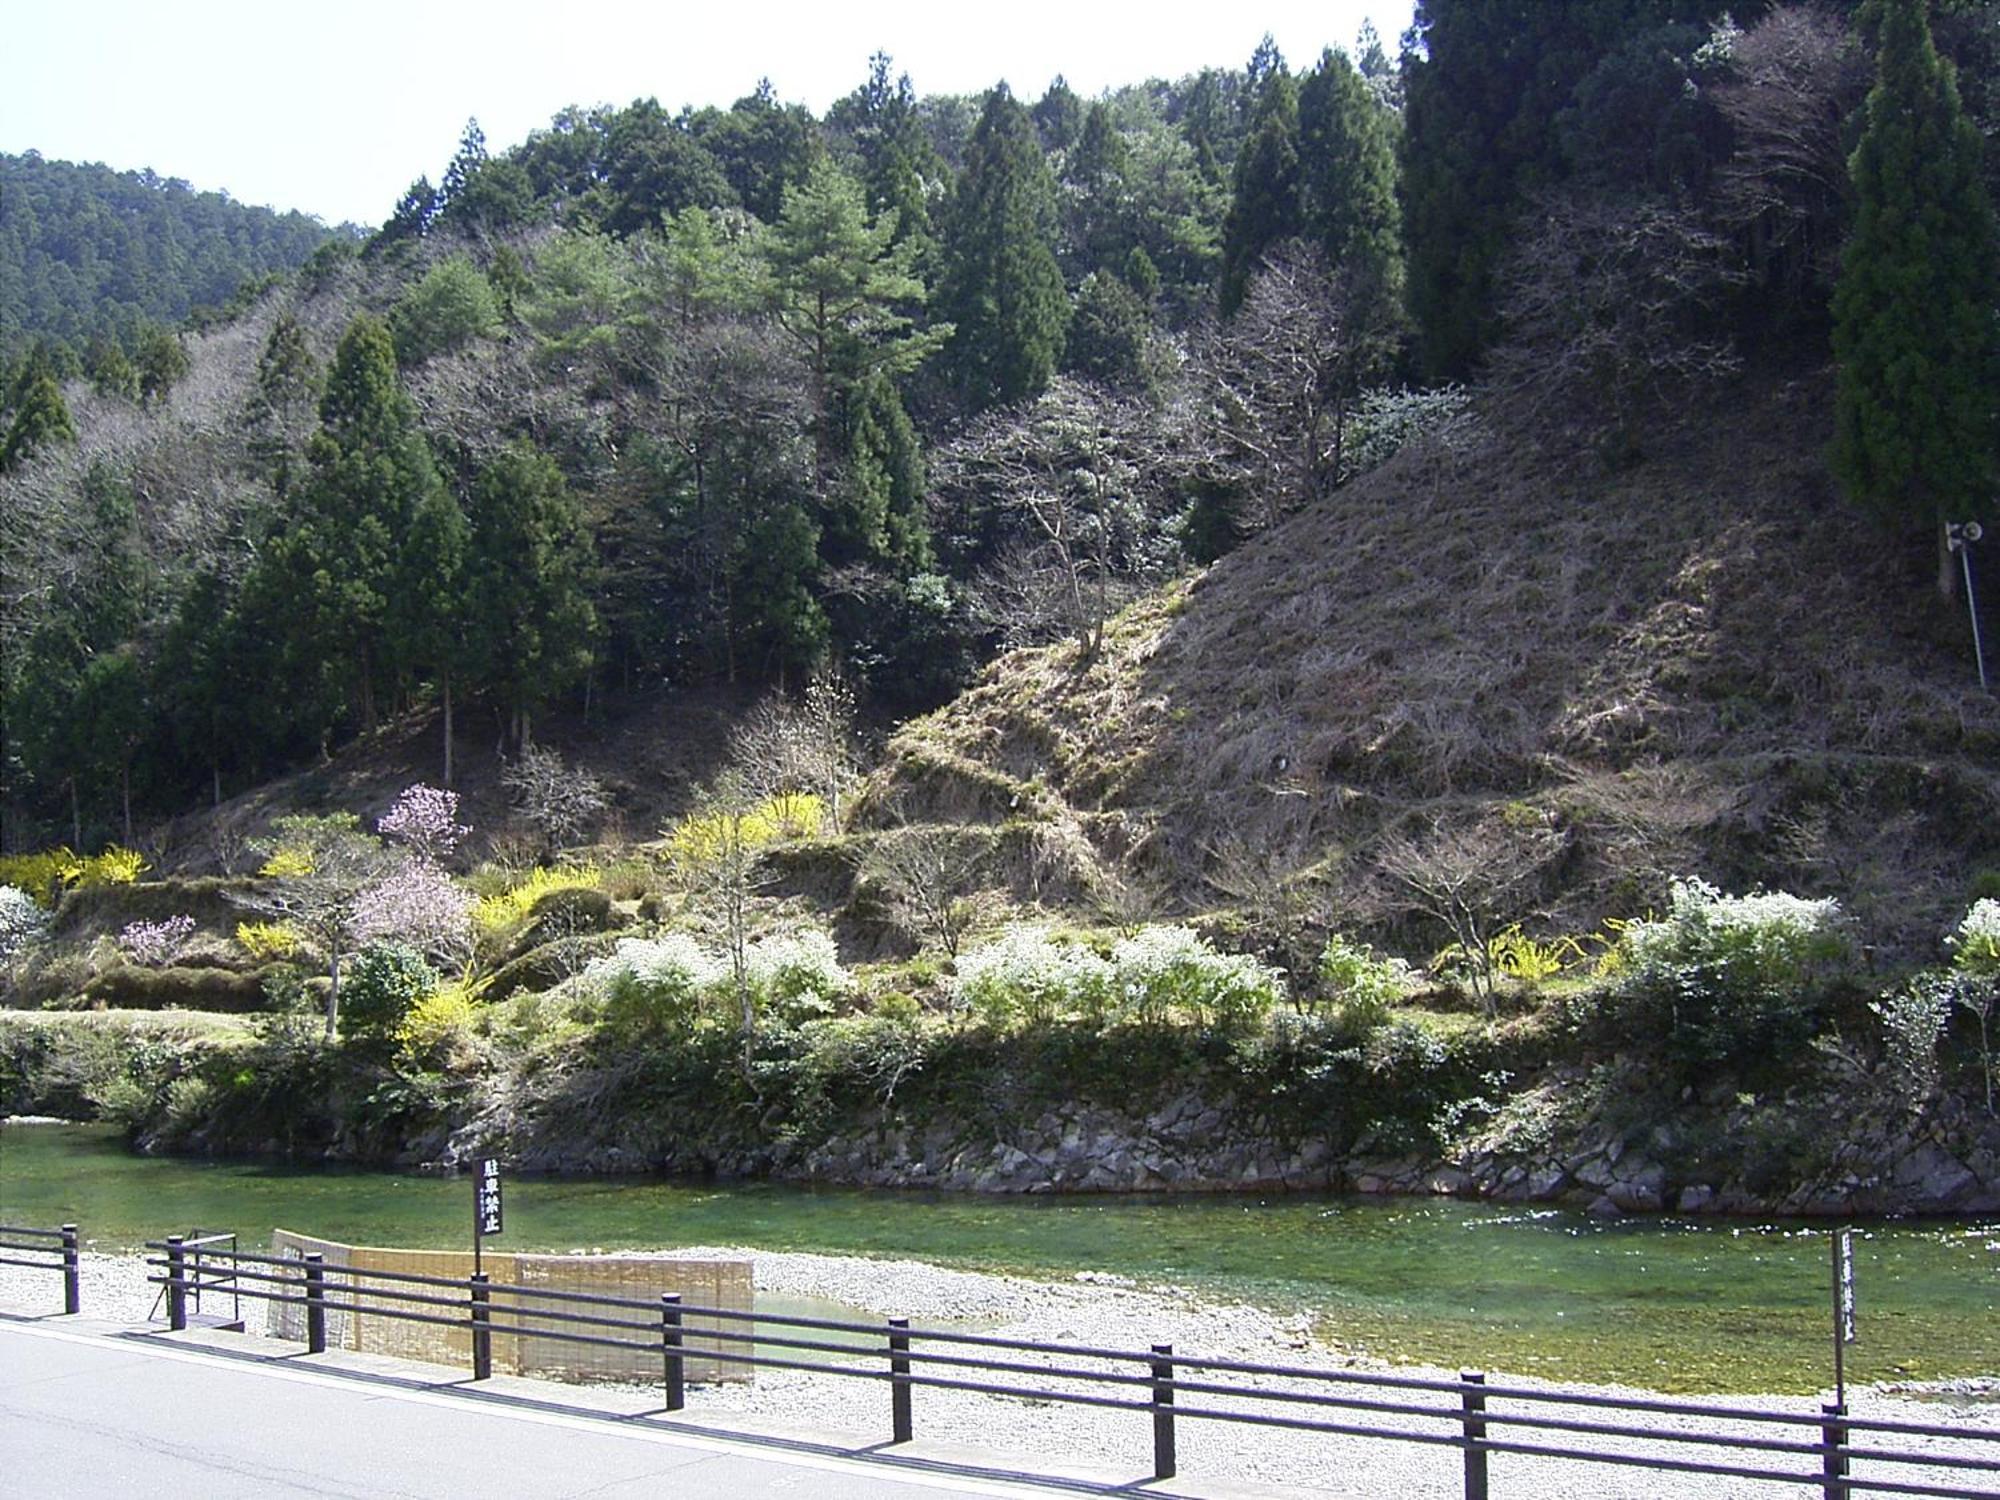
[
  {"x": 1389, "y": 622},
  {"x": 660, "y": 399},
  {"x": 90, "y": 257}
]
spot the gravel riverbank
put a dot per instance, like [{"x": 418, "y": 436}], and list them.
[{"x": 1113, "y": 1444}]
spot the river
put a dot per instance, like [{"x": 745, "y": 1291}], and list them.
[{"x": 1674, "y": 1304}]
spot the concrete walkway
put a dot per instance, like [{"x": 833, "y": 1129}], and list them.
[{"x": 92, "y": 1411}]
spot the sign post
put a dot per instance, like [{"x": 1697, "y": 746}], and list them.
[
  {"x": 1843, "y": 1309},
  {"x": 486, "y": 1208}
]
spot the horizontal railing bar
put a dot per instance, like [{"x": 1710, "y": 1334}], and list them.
[
  {"x": 32, "y": 1249},
  {"x": 1943, "y": 1460},
  {"x": 35, "y": 1265},
  {"x": 32, "y": 1233},
  {"x": 1920, "y": 1429},
  {"x": 1899, "y": 1487}
]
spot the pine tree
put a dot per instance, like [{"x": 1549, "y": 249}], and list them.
[
  {"x": 842, "y": 291},
  {"x": 1915, "y": 310},
  {"x": 1003, "y": 290},
  {"x": 1347, "y": 149}
]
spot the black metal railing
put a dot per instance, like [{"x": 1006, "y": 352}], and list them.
[
  {"x": 46, "y": 1250},
  {"x": 1833, "y": 1451}
]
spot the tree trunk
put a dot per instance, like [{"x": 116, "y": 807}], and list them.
[
  {"x": 1947, "y": 577},
  {"x": 446, "y": 685},
  {"x": 333, "y": 991},
  {"x": 125, "y": 796}
]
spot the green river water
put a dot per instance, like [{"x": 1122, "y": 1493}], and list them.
[{"x": 1672, "y": 1304}]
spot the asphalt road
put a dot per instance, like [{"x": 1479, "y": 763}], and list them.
[{"x": 92, "y": 1417}]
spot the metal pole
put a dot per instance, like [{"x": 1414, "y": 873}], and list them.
[
  {"x": 670, "y": 1350},
  {"x": 482, "y": 1334},
  {"x": 1472, "y": 1406},
  {"x": 72, "y": 1271},
  {"x": 177, "y": 1307},
  {"x": 315, "y": 1264},
  {"x": 1163, "y": 1412},
  {"x": 899, "y": 1381},
  {"x": 1972, "y": 608},
  {"x": 1839, "y": 1344},
  {"x": 1833, "y": 1438}
]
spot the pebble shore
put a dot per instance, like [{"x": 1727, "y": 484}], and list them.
[{"x": 1110, "y": 1313}]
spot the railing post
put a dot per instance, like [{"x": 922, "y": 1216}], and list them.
[
  {"x": 1833, "y": 1441},
  {"x": 1163, "y": 1411},
  {"x": 670, "y": 1350},
  {"x": 177, "y": 1297},
  {"x": 1472, "y": 1408},
  {"x": 72, "y": 1271},
  {"x": 482, "y": 1333},
  {"x": 315, "y": 1264},
  {"x": 899, "y": 1380}
]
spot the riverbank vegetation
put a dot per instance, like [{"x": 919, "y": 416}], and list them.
[{"x": 1362, "y": 622}]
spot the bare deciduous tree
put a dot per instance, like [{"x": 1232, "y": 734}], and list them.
[
  {"x": 1081, "y": 478},
  {"x": 1608, "y": 301},
  {"x": 1472, "y": 880},
  {"x": 1795, "y": 78},
  {"x": 558, "y": 800},
  {"x": 802, "y": 744},
  {"x": 926, "y": 874}
]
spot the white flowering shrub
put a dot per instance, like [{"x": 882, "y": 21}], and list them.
[
  {"x": 796, "y": 975},
  {"x": 1766, "y": 937},
  {"x": 23, "y": 923},
  {"x": 1732, "y": 978},
  {"x": 1161, "y": 972},
  {"x": 1026, "y": 975},
  {"x": 655, "y": 983},
  {"x": 1975, "y": 946}
]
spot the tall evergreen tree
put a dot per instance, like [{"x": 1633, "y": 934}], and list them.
[
  {"x": 1917, "y": 310},
  {"x": 529, "y": 607},
  {"x": 1002, "y": 288},
  {"x": 1266, "y": 205},
  {"x": 370, "y": 475},
  {"x": 41, "y": 418}
]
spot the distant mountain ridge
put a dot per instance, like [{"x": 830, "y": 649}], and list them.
[{"x": 88, "y": 252}]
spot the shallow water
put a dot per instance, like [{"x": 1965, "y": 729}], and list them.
[{"x": 1707, "y": 1305}]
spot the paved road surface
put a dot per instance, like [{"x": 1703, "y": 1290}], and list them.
[{"x": 91, "y": 1417}]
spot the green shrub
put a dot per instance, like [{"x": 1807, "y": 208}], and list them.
[
  {"x": 380, "y": 988},
  {"x": 796, "y": 975},
  {"x": 1732, "y": 979},
  {"x": 1163, "y": 972},
  {"x": 1025, "y": 974},
  {"x": 1360, "y": 985},
  {"x": 655, "y": 984}
]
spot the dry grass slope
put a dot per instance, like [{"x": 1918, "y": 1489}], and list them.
[{"x": 1698, "y": 661}]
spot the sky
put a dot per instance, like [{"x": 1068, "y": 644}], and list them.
[{"x": 335, "y": 109}]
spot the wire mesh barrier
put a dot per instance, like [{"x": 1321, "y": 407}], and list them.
[
  {"x": 46, "y": 1250},
  {"x": 1832, "y": 1451}
]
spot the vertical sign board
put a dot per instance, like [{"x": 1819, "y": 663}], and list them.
[
  {"x": 1847, "y": 1286},
  {"x": 1843, "y": 1310},
  {"x": 486, "y": 1215},
  {"x": 487, "y": 1196}
]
